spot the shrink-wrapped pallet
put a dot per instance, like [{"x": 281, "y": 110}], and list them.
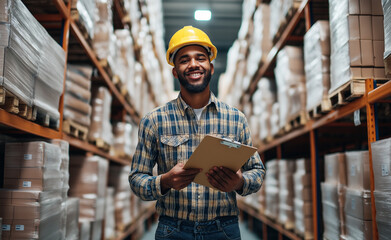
[
  {"x": 260, "y": 44},
  {"x": 123, "y": 213},
  {"x": 317, "y": 65},
  {"x": 286, "y": 168},
  {"x": 109, "y": 214},
  {"x": 101, "y": 128},
  {"x": 357, "y": 165},
  {"x": 88, "y": 177},
  {"x": 271, "y": 189},
  {"x": 358, "y": 204},
  {"x": 289, "y": 73},
  {"x": 30, "y": 214},
  {"x": 383, "y": 213},
  {"x": 124, "y": 139},
  {"x": 72, "y": 220},
  {"x": 32, "y": 166},
  {"x": 355, "y": 48},
  {"x": 84, "y": 229},
  {"x": 331, "y": 211},
  {"x": 387, "y": 31},
  {"x": 358, "y": 229},
  {"x": 381, "y": 160}
]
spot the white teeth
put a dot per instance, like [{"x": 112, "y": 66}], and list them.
[{"x": 195, "y": 75}]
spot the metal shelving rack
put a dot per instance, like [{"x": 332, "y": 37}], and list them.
[
  {"x": 310, "y": 129},
  {"x": 16, "y": 125}
]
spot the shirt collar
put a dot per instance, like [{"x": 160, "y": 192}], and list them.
[{"x": 183, "y": 106}]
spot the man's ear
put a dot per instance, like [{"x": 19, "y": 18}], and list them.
[
  {"x": 212, "y": 68},
  {"x": 174, "y": 73}
]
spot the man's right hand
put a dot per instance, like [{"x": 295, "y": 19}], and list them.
[{"x": 178, "y": 177}]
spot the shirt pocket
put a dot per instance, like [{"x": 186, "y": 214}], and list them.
[{"x": 174, "y": 149}]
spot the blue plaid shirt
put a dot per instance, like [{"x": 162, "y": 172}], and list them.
[{"x": 169, "y": 135}]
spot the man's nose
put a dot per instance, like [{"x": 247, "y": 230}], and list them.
[{"x": 193, "y": 63}]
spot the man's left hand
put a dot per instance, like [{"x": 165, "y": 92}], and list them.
[{"x": 224, "y": 179}]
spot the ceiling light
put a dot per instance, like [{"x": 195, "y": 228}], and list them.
[{"x": 202, "y": 15}]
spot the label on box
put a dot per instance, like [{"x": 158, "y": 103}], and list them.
[
  {"x": 6, "y": 227},
  {"x": 28, "y": 156},
  {"x": 19, "y": 227},
  {"x": 353, "y": 170},
  {"x": 385, "y": 170},
  {"x": 26, "y": 184}
]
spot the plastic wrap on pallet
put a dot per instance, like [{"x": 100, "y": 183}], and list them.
[
  {"x": 331, "y": 221},
  {"x": 88, "y": 175},
  {"x": 118, "y": 176},
  {"x": 383, "y": 213},
  {"x": 387, "y": 27},
  {"x": 96, "y": 230},
  {"x": 123, "y": 215},
  {"x": 246, "y": 27},
  {"x": 335, "y": 169},
  {"x": 80, "y": 75},
  {"x": 260, "y": 44},
  {"x": 64, "y": 166},
  {"x": 82, "y": 119},
  {"x": 91, "y": 207},
  {"x": 275, "y": 16},
  {"x": 102, "y": 38},
  {"x": 123, "y": 141},
  {"x": 49, "y": 82},
  {"x": 75, "y": 104},
  {"x": 124, "y": 62},
  {"x": 329, "y": 194},
  {"x": 358, "y": 204},
  {"x": 85, "y": 17},
  {"x": 72, "y": 219},
  {"x": 358, "y": 229},
  {"x": 109, "y": 214},
  {"x": 357, "y": 166},
  {"x": 77, "y": 91},
  {"x": 303, "y": 165},
  {"x": 101, "y": 127},
  {"x": 289, "y": 73},
  {"x": 271, "y": 189},
  {"x": 84, "y": 229},
  {"x": 381, "y": 160},
  {"x": 317, "y": 63},
  {"x": 4, "y": 10}
]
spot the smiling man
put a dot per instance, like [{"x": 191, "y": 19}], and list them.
[{"x": 168, "y": 136}]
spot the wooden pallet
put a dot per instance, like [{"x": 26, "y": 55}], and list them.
[
  {"x": 43, "y": 118},
  {"x": 289, "y": 225},
  {"x": 106, "y": 66},
  {"x": 349, "y": 91},
  {"x": 13, "y": 104},
  {"x": 101, "y": 144},
  {"x": 75, "y": 129},
  {"x": 305, "y": 235},
  {"x": 321, "y": 109},
  {"x": 296, "y": 122}
]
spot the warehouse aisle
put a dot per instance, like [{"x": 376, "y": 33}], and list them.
[{"x": 245, "y": 232}]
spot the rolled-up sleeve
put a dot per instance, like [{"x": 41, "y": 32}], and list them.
[
  {"x": 141, "y": 178},
  {"x": 253, "y": 170}
]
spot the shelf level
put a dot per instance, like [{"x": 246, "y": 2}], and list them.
[
  {"x": 77, "y": 143},
  {"x": 129, "y": 109},
  {"x": 254, "y": 213}
]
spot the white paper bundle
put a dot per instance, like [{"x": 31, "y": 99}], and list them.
[{"x": 387, "y": 27}]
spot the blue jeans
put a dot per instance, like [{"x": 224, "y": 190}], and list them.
[{"x": 226, "y": 228}]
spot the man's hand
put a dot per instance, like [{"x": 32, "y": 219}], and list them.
[
  {"x": 224, "y": 179},
  {"x": 178, "y": 177}
]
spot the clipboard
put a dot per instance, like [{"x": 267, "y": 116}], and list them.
[{"x": 215, "y": 151}]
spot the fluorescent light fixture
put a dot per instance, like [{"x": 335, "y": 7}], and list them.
[{"x": 202, "y": 15}]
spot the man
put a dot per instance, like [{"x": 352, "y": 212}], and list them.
[{"x": 167, "y": 137}]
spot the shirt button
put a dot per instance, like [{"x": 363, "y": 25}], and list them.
[{"x": 199, "y": 197}]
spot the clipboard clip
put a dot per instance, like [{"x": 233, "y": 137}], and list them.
[{"x": 230, "y": 143}]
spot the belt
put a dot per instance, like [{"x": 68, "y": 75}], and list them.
[{"x": 202, "y": 226}]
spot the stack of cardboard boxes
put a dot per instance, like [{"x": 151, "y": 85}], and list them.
[
  {"x": 88, "y": 182},
  {"x": 271, "y": 189},
  {"x": 286, "y": 216},
  {"x": 381, "y": 159},
  {"x": 32, "y": 196},
  {"x": 302, "y": 201}
]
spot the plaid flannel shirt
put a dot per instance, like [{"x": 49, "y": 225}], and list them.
[{"x": 169, "y": 135}]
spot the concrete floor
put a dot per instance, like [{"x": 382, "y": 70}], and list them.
[{"x": 245, "y": 233}]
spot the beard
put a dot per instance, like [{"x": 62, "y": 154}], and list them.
[{"x": 195, "y": 88}]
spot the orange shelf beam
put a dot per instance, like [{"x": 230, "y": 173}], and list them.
[
  {"x": 103, "y": 73},
  {"x": 380, "y": 93},
  {"x": 62, "y": 8},
  {"x": 14, "y": 121},
  {"x": 93, "y": 149}
]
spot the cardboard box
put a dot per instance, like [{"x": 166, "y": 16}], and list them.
[
  {"x": 376, "y": 7},
  {"x": 92, "y": 209},
  {"x": 367, "y": 56},
  {"x": 358, "y": 204},
  {"x": 84, "y": 229},
  {"x": 33, "y": 184},
  {"x": 72, "y": 218},
  {"x": 27, "y": 197},
  {"x": 329, "y": 194},
  {"x": 303, "y": 165},
  {"x": 354, "y": 27},
  {"x": 378, "y": 50},
  {"x": 303, "y": 207},
  {"x": 358, "y": 229},
  {"x": 381, "y": 160},
  {"x": 335, "y": 168},
  {"x": 331, "y": 221},
  {"x": 365, "y": 27},
  {"x": 32, "y": 154},
  {"x": 378, "y": 28},
  {"x": 96, "y": 230},
  {"x": 357, "y": 163}
]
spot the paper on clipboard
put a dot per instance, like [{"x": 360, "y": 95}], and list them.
[{"x": 215, "y": 151}]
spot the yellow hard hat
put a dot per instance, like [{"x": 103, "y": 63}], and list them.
[{"x": 189, "y": 35}]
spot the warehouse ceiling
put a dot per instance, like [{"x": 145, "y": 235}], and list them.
[{"x": 222, "y": 29}]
